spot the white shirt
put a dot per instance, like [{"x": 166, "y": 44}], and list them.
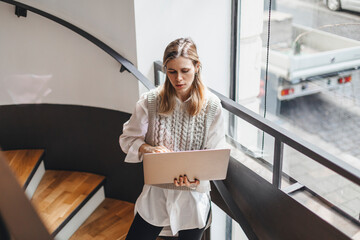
[{"x": 176, "y": 209}]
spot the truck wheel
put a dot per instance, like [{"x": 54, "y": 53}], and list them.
[{"x": 333, "y": 5}]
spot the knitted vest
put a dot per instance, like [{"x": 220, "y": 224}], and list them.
[{"x": 180, "y": 131}]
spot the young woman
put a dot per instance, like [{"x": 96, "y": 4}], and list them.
[{"x": 180, "y": 115}]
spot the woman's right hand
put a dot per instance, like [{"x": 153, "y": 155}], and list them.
[
  {"x": 184, "y": 181},
  {"x": 146, "y": 148}
]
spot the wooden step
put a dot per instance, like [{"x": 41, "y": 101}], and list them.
[
  {"x": 23, "y": 163},
  {"x": 111, "y": 220},
  {"x": 61, "y": 194}
]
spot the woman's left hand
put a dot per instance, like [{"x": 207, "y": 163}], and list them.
[{"x": 184, "y": 181}]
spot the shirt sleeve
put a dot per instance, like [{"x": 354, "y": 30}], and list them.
[
  {"x": 134, "y": 131},
  {"x": 216, "y": 137}
]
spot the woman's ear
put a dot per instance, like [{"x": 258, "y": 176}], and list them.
[{"x": 197, "y": 68}]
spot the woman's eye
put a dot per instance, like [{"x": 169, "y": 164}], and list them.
[
  {"x": 185, "y": 70},
  {"x": 171, "y": 72}
]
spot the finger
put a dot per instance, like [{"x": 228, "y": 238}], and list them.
[
  {"x": 159, "y": 149},
  {"x": 155, "y": 149},
  {"x": 181, "y": 180},
  {"x": 186, "y": 181},
  {"x": 162, "y": 149},
  {"x": 165, "y": 149},
  {"x": 197, "y": 181},
  {"x": 176, "y": 182},
  {"x": 150, "y": 149}
]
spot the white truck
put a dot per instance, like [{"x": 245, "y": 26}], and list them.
[{"x": 305, "y": 61}]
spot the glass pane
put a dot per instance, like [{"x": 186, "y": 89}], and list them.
[
  {"x": 311, "y": 80},
  {"x": 251, "y": 147},
  {"x": 338, "y": 191},
  {"x": 246, "y": 147},
  {"x": 328, "y": 214},
  {"x": 312, "y": 76},
  {"x": 332, "y": 124}
]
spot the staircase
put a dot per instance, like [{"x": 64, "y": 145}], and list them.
[{"x": 72, "y": 205}]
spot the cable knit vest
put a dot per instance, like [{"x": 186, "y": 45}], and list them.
[{"x": 180, "y": 131}]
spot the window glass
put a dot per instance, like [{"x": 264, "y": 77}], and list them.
[
  {"x": 299, "y": 67},
  {"x": 313, "y": 76},
  {"x": 342, "y": 194}
]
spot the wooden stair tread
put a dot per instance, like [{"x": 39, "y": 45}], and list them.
[
  {"x": 60, "y": 193},
  {"x": 111, "y": 220},
  {"x": 23, "y": 162}
]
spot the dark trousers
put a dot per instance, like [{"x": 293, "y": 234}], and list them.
[{"x": 142, "y": 230}]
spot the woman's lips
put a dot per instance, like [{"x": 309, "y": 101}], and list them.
[{"x": 180, "y": 85}]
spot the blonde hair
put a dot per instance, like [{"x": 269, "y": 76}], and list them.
[{"x": 182, "y": 47}]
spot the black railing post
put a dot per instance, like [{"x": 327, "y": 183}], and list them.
[
  {"x": 234, "y": 59},
  {"x": 278, "y": 160},
  {"x": 158, "y": 68},
  {"x": 20, "y": 12}
]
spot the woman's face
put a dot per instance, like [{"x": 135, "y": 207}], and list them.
[{"x": 181, "y": 72}]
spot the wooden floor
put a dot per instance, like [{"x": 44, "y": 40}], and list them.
[
  {"x": 22, "y": 162},
  {"x": 60, "y": 192},
  {"x": 110, "y": 221}
]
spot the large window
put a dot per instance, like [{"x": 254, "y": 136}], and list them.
[{"x": 299, "y": 66}]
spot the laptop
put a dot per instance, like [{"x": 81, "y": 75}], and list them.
[{"x": 209, "y": 164}]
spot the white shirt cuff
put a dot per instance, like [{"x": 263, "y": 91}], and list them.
[{"x": 133, "y": 155}]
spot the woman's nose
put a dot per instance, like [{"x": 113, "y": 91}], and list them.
[{"x": 179, "y": 77}]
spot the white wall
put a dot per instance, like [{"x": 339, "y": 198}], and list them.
[
  {"x": 41, "y": 61},
  {"x": 138, "y": 29},
  {"x": 237, "y": 232},
  {"x": 218, "y": 224},
  {"x": 112, "y": 21},
  {"x": 207, "y": 22}
]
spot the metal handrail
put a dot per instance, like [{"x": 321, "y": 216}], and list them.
[
  {"x": 288, "y": 138},
  {"x": 283, "y": 136}
]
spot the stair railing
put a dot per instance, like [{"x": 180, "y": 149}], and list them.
[{"x": 282, "y": 137}]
